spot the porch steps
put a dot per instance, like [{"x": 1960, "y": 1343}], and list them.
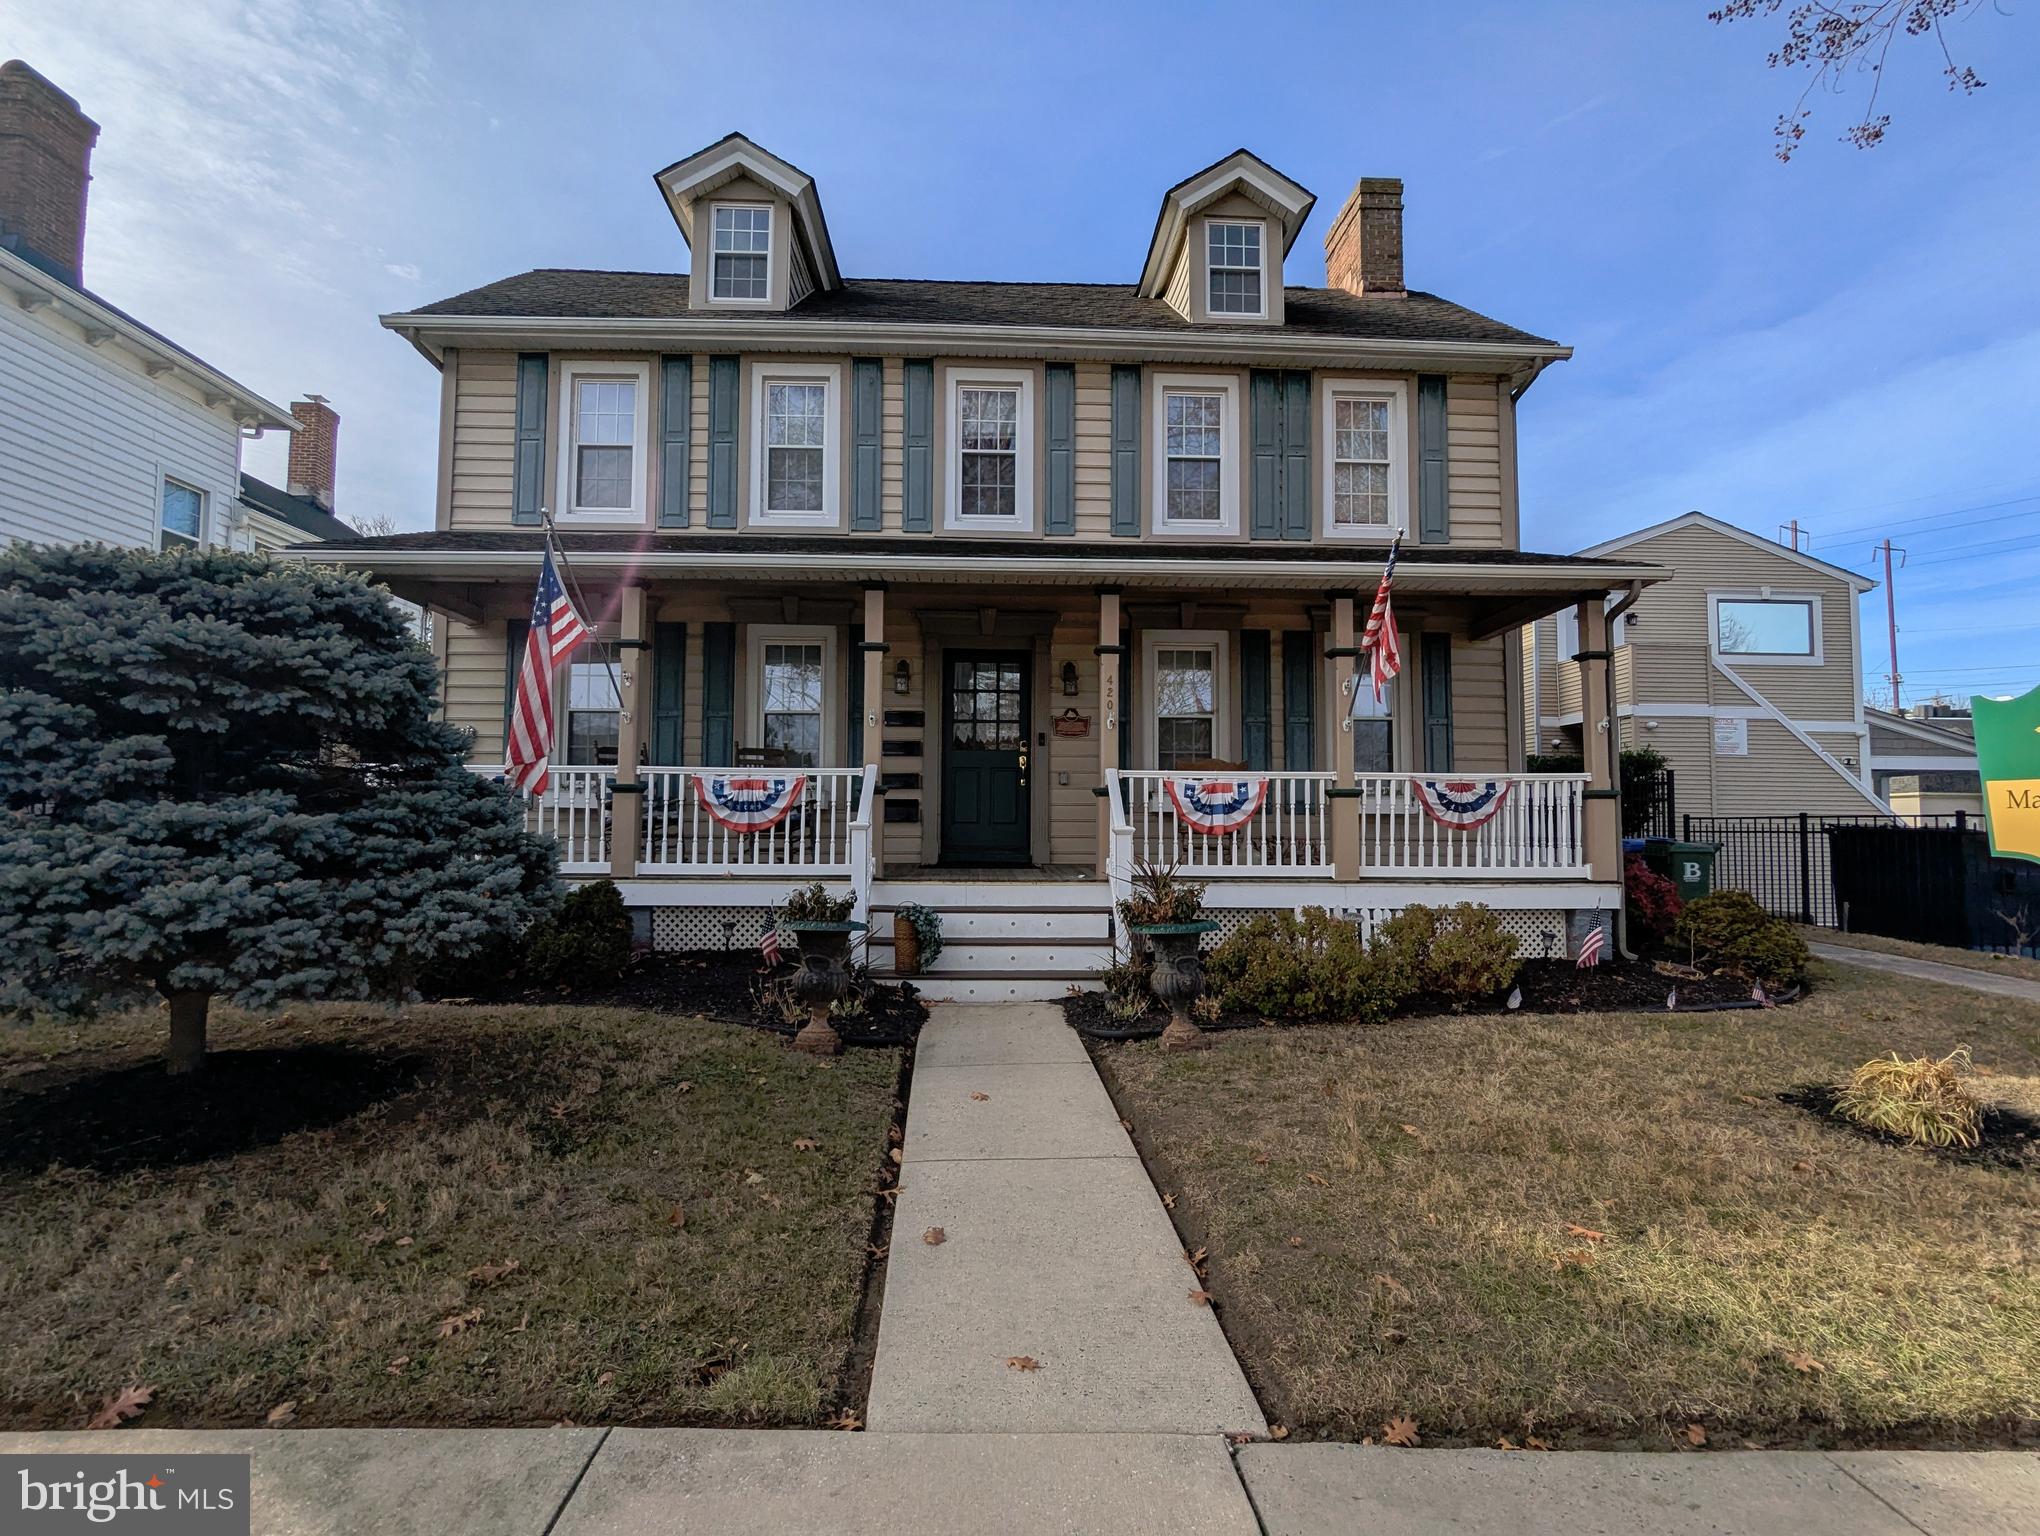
[{"x": 1003, "y": 940}]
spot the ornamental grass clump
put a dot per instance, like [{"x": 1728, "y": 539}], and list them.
[{"x": 1922, "y": 1100}]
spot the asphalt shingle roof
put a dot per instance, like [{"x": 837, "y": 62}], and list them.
[{"x": 301, "y": 512}]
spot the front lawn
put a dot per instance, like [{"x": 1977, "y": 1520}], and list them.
[
  {"x": 499, "y": 1216},
  {"x": 1601, "y": 1229}
]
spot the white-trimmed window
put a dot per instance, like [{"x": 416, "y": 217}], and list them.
[
  {"x": 1186, "y": 696},
  {"x": 795, "y": 479},
  {"x": 602, "y": 441},
  {"x": 793, "y": 681},
  {"x": 1765, "y": 628},
  {"x": 1366, "y": 446},
  {"x": 1569, "y": 630},
  {"x": 991, "y": 451},
  {"x": 593, "y": 708},
  {"x": 1197, "y": 454},
  {"x": 181, "y": 516},
  {"x": 741, "y": 252},
  {"x": 1234, "y": 268}
]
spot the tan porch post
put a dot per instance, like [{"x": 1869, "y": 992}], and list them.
[
  {"x": 633, "y": 663},
  {"x": 1344, "y": 807},
  {"x": 873, "y": 662},
  {"x": 1109, "y": 705},
  {"x": 1602, "y": 829}
]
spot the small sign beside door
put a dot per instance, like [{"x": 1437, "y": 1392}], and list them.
[{"x": 1070, "y": 723}]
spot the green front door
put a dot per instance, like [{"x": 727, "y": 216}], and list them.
[{"x": 985, "y": 735}]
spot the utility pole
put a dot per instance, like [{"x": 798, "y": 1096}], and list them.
[
  {"x": 1891, "y": 619},
  {"x": 1791, "y": 530}
]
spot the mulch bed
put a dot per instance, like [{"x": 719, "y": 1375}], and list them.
[{"x": 2009, "y": 1138}]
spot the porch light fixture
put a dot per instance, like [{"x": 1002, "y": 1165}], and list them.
[
  {"x": 902, "y": 676},
  {"x": 1069, "y": 676}
]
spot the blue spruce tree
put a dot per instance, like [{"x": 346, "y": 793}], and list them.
[{"x": 223, "y": 777}]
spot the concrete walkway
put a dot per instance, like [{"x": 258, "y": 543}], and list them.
[
  {"x": 1056, "y": 1249},
  {"x": 1929, "y": 970}
]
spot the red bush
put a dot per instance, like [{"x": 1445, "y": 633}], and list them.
[{"x": 1654, "y": 904}]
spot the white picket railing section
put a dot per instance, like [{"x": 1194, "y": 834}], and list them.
[
  {"x": 574, "y": 812},
  {"x": 1289, "y": 836},
  {"x": 1537, "y": 832},
  {"x": 817, "y": 837}
]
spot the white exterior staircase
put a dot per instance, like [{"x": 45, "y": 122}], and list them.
[{"x": 1002, "y": 940}]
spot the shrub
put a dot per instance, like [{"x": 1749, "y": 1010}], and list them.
[
  {"x": 1922, "y": 1100},
  {"x": 1161, "y": 895},
  {"x": 1308, "y": 969},
  {"x": 1653, "y": 901},
  {"x": 1128, "y": 988},
  {"x": 815, "y": 904},
  {"x": 1459, "y": 953},
  {"x": 583, "y": 940},
  {"x": 1731, "y": 932}
]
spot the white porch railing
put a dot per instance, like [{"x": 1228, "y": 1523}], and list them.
[
  {"x": 574, "y": 812},
  {"x": 1537, "y": 832},
  {"x": 1289, "y": 836},
  {"x": 817, "y": 837}
]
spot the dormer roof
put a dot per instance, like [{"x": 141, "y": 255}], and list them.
[
  {"x": 1242, "y": 171},
  {"x": 686, "y": 182}
]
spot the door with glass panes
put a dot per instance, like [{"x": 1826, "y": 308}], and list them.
[{"x": 985, "y": 737}]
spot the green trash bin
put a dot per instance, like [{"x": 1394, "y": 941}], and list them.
[{"x": 1689, "y": 866}]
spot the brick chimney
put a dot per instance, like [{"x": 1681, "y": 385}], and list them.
[
  {"x": 314, "y": 450},
  {"x": 45, "y": 158},
  {"x": 1363, "y": 249}
]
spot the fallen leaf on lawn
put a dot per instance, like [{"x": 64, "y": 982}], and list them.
[
  {"x": 405, "y": 1242},
  {"x": 895, "y": 1135},
  {"x": 459, "y": 1322},
  {"x": 1296, "y": 1242},
  {"x": 896, "y": 1155},
  {"x": 564, "y": 1424},
  {"x": 1200, "y": 1298},
  {"x": 683, "y": 1086},
  {"x": 523, "y": 1323},
  {"x": 1168, "y": 1202},
  {"x": 1802, "y": 1166},
  {"x": 1260, "y": 1159},
  {"x": 1506, "y": 1444},
  {"x": 1125, "y": 1124},
  {"x": 1278, "y": 1432},
  {"x": 1411, "y": 1130},
  {"x": 753, "y": 1176},
  {"x": 1317, "y": 1178},
  {"x": 1587, "y": 1233},
  {"x": 1574, "y": 1258},
  {"x": 1696, "y": 1434},
  {"x": 888, "y": 1194},
  {"x": 125, "y": 1404},
  {"x": 605, "y": 1378},
  {"x": 1802, "y": 1362},
  {"x": 677, "y": 1217},
  {"x": 1393, "y": 1336},
  {"x": 1022, "y": 1363},
  {"x": 396, "y": 1366},
  {"x": 934, "y": 1237},
  {"x": 1750, "y": 1098},
  {"x": 1535, "y": 1444},
  {"x": 489, "y": 1274},
  {"x": 1390, "y": 1283},
  {"x": 980, "y": 1097},
  {"x": 380, "y": 1208},
  {"x": 847, "y": 1419},
  {"x": 1195, "y": 1257},
  {"x": 373, "y": 1236},
  {"x": 805, "y": 1143},
  {"x": 281, "y": 1414},
  {"x": 324, "y": 1266},
  {"x": 1399, "y": 1431},
  {"x": 1239, "y": 1437}
]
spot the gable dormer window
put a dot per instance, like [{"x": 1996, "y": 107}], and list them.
[
  {"x": 742, "y": 257},
  {"x": 1235, "y": 268}
]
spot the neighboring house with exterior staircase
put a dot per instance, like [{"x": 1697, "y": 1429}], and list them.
[
  {"x": 982, "y": 594},
  {"x": 1743, "y": 670}
]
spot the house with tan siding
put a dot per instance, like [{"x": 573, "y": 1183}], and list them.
[{"x": 1000, "y": 572}]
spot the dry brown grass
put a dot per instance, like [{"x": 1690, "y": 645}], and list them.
[
  {"x": 1601, "y": 1227},
  {"x": 2024, "y": 967},
  {"x": 357, "y": 1271}
]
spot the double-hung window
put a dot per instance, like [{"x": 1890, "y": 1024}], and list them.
[
  {"x": 1766, "y": 627},
  {"x": 794, "y": 432},
  {"x": 1233, "y": 253},
  {"x": 1196, "y": 479},
  {"x": 742, "y": 255},
  {"x": 594, "y": 709},
  {"x": 1186, "y": 674},
  {"x": 1373, "y": 723},
  {"x": 793, "y": 670},
  {"x": 991, "y": 451},
  {"x": 602, "y": 441},
  {"x": 1365, "y": 485},
  {"x": 183, "y": 516}
]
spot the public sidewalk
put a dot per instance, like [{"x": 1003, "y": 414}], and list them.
[{"x": 1928, "y": 970}]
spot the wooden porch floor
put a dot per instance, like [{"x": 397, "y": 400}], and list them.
[{"x": 989, "y": 873}]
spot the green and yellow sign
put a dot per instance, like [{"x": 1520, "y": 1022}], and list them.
[{"x": 2008, "y": 757}]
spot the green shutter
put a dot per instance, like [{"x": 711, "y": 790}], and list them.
[
  {"x": 1434, "y": 520},
  {"x": 722, "y": 444},
  {"x": 1299, "y": 701},
  {"x": 1264, "y": 484},
  {"x": 867, "y": 407},
  {"x": 1125, "y": 452},
  {"x": 676, "y": 425},
  {"x": 1061, "y": 503},
  {"x": 527, "y": 466},
  {"x": 1437, "y": 651},
  {"x": 669, "y": 695},
  {"x": 1254, "y": 698},
  {"x": 718, "y": 695},
  {"x": 918, "y": 450},
  {"x": 855, "y": 757},
  {"x": 1296, "y": 454},
  {"x": 514, "y": 635}
]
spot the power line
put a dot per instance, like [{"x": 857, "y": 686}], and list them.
[{"x": 1932, "y": 517}]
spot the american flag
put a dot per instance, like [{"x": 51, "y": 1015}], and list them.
[
  {"x": 555, "y": 630},
  {"x": 768, "y": 946},
  {"x": 1378, "y": 642},
  {"x": 1590, "y": 948}
]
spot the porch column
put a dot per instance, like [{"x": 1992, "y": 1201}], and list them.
[
  {"x": 873, "y": 662},
  {"x": 1344, "y": 804},
  {"x": 633, "y": 663},
  {"x": 1602, "y": 828},
  {"x": 1108, "y": 651}
]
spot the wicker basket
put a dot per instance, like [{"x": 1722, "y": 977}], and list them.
[{"x": 906, "y": 946}]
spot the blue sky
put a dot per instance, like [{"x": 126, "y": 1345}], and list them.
[{"x": 1852, "y": 339}]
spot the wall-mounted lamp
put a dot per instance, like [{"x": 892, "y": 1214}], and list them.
[
  {"x": 902, "y": 676},
  {"x": 1069, "y": 676}
]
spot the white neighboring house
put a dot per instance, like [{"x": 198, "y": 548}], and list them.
[{"x": 109, "y": 431}]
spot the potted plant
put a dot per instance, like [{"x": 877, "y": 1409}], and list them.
[
  {"x": 917, "y": 938},
  {"x": 1166, "y": 912},
  {"x": 822, "y": 927}
]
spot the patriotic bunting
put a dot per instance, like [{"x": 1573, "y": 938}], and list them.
[
  {"x": 1461, "y": 804},
  {"x": 749, "y": 802},
  {"x": 1216, "y": 806}
]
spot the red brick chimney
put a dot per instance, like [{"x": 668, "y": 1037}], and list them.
[
  {"x": 314, "y": 450},
  {"x": 1363, "y": 249},
  {"x": 45, "y": 159}
]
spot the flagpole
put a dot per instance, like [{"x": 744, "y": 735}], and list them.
[{"x": 1346, "y": 714}]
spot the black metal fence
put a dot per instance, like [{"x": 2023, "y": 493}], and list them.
[
  {"x": 1649, "y": 804},
  {"x": 1784, "y": 861},
  {"x": 1935, "y": 885}
]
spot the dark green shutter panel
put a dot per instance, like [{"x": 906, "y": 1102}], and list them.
[
  {"x": 1254, "y": 698},
  {"x": 527, "y": 467},
  {"x": 718, "y": 695},
  {"x": 1125, "y": 452},
  {"x": 1061, "y": 502},
  {"x": 722, "y": 445},
  {"x": 676, "y": 425},
  {"x": 867, "y": 410},
  {"x": 514, "y": 635},
  {"x": 918, "y": 452},
  {"x": 1299, "y": 701},
  {"x": 669, "y": 694},
  {"x": 1264, "y": 520},
  {"x": 1296, "y": 455},
  {"x": 1437, "y": 703},
  {"x": 855, "y": 758},
  {"x": 1434, "y": 521}
]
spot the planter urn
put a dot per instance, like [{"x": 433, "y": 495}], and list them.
[
  {"x": 1178, "y": 976},
  {"x": 821, "y": 980},
  {"x": 906, "y": 946}
]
